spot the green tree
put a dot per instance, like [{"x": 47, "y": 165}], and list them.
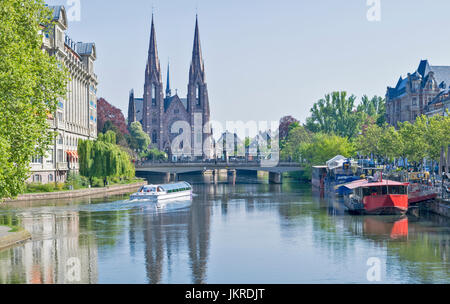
[
  {"x": 120, "y": 137},
  {"x": 369, "y": 142},
  {"x": 296, "y": 137},
  {"x": 323, "y": 147},
  {"x": 413, "y": 141},
  {"x": 31, "y": 82},
  {"x": 374, "y": 107},
  {"x": 335, "y": 114},
  {"x": 142, "y": 140},
  {"x": 103, "y": 158}
]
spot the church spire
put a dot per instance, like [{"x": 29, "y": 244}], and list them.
[
  {"x": 153, "y": 60},
  {"x": 197, "y": 59},
  {"x": 168, "y": 90}
]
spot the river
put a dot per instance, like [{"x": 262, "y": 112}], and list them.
[{"x": 231, "y": 233}]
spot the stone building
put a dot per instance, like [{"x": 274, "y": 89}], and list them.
[
  {"x": 166, "y": 117},
  {"x": 439, "y": 105},
  {"x": 76, "y": 116},
  {"x": 412, "y": 95}
]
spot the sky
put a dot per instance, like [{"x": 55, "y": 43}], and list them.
[{"x": 263, "y": 59}]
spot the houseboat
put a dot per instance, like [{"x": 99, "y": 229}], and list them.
[
  {"x": 340, "y": 171},
  {"x": 377, "y": 197},
  {"x": 174, "y": 191},
  {"x": 319, "y": 174}
]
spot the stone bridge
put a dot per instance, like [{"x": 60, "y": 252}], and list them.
[{"x": 172, "y": 170}]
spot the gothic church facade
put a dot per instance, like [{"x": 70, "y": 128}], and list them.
[{"x": 179, "y": 126}]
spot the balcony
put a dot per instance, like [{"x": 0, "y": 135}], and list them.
[{"x": 62, "y": 166}]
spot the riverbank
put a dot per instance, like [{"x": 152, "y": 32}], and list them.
[
  {"x": 441, "y": 207},
  {"x": 106, "y": 191},
  {"x": 9, "y": 237}
]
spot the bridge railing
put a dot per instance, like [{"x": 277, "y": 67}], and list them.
[{"x": 147, "y": 164}]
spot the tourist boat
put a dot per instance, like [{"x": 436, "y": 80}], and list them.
[
  {"x": 174, "y": 191},
  {"x": 377, "y": 197}
]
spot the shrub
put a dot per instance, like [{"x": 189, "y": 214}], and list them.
[
  {"x": 97, "y": 182},
  {"x": 76, "y": 181},
  {"x": 38, "y": 188}
]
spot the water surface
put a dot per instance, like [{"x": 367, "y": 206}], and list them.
[{"x": 244, "y": 233}]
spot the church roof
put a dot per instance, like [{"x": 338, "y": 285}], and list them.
[{"x": 168, "y": 101}]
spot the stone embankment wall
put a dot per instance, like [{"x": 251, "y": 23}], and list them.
[{"x": 107, "y": 191}]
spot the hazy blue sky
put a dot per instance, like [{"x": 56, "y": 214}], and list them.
[{"x": 264, "y": 59}]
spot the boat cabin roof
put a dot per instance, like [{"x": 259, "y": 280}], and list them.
[
  {"x": 366, "y": 184},
  {"x": 170, "y": 187}
]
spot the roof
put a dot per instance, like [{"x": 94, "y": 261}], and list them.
[
  {"x": 175, "y": 186},
  {"x": 85, "y": 48},
  {"x": 168, "y": 101},
  {"x": 363, "y": 183},
  {"x": 440, "y": 73},
  {"x": 56, "y": 11}
]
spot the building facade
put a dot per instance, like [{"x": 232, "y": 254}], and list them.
[
  {"x": 178, "y": 126},
  {"x": 412, "y": 95},
  {"x": 76, "y": 116},
  {"x": 439, "y": 105}
]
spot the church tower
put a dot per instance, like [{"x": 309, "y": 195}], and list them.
[
  {"x": 153, "y": 107},
  {"x": 131, "y": 109},
  {"x": 197, "y": 100}
]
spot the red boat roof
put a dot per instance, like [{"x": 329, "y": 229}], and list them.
[{"x": 366, "y": 183}]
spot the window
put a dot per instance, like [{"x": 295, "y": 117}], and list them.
[
  {"x": 36, "y": 160},
  {"x": 50, "y": 157},
  {"x": 197, "y": 96},
  {"x": 37, "y": 178},
  {"x": 153, "y": 95},
  {"x": 59, "y": 116},
  {"x": 60, "y": 157},
  {"x": 177, "y": 111},
  {"x": 50, "y": 178},
  {"x": 60, "y": 139},
  {"x": 154, "y": 137}
]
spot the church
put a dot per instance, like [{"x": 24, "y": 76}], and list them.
[{"x": 176, "y": 125}]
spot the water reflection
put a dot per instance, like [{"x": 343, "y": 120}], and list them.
[
  {"x": 249, "y": 233},
  {"x": 56, "y": 239}
]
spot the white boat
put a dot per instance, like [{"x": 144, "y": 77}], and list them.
[{"x": 175, "y": 191}]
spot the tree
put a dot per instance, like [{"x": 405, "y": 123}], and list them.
[
  {"x": 107, "y": 112},
  {"x": 142, "y": 139},
  {"x": 285, "y": 124},
  {"x": 323, "y": 147},
  {"x": 413, "y": 141},
  {"x": 369, "y": 142},
  {"x": 31, "y": 82},
  {"x": 374, "y": 108},
  {"x": 335, "y": 114},
  {"x": 103, "y": 158},
  {"x": 291, "y": 148}
]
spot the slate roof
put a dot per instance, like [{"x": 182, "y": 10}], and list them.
[
  {"x": 84, "y": 48},
  {"x": 441, "y": 75},
  {"x": 56, "y": 11},
  {"x": 168, "y": 101}
]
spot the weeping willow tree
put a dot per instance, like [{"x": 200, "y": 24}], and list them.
[{"x": 103, "y": 158}]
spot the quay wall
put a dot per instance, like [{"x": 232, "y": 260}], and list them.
[
  {"x": 441, "y": 207},
  {"x": 107, "y": 191},
  {"x": 14, "y": 238}
]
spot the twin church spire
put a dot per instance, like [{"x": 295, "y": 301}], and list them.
[{"x": 153, "y": 69}]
